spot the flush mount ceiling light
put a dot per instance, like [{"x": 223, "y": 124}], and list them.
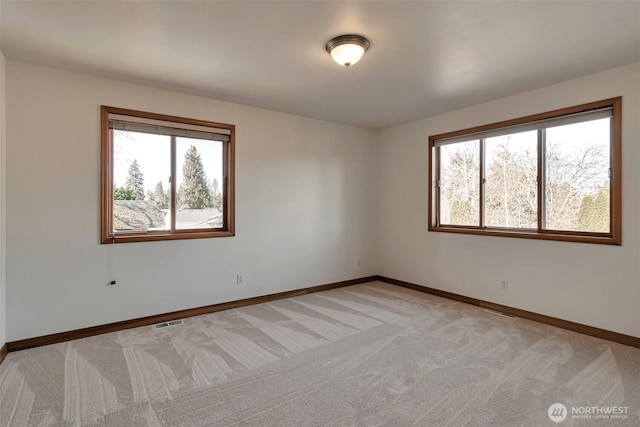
[{"x": 348, "y": 49}]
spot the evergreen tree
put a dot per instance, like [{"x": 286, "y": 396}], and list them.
[
  {"x": 159, "y": 196},
  {"x": 461, "y": 213},
  {"x": 194, "y": 192},
  {"x": 594, "y": 212},
  {"x": 121, "y": 193},
  {"x": 585, "y": 214},
  {"x": 601, "y": 211},
  {"x": 216, "y": 195},
  {"x": 135, "y": 180}
]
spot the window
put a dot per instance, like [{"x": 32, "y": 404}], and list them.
[
  {"x": 165, "y": 177},
  {"x": 554, "y": 176}
]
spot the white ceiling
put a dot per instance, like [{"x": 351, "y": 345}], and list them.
[{"x": 425, "y": 58}]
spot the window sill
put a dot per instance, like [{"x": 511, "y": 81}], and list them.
[
  {"x": 603, "y": 239},
  {"x": 152, "y": 237}
]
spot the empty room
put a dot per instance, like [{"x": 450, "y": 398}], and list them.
[{"x": 319, "y": 213}]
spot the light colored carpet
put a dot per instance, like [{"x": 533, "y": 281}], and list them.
[{"x": 371, "y": 354}]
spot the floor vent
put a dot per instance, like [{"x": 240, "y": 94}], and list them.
[
  {"x": 497, "y": 313},
  {"x": 168, "y": 324}
]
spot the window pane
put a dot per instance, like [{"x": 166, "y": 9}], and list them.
[
  {"x": 199, "y": 183},
  {"x": 577, "y": 176},
  {"x": 141, "y": 171},
  {"x": 511, "y": 186},
  {"x": 460, "y": 183}
]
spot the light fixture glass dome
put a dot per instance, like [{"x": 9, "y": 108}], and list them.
[{"x": 348, "y": 49}]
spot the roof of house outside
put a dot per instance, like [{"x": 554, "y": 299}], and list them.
[
  {"x": 134, "y": 215},
  {"x": 198, "y": 218}
]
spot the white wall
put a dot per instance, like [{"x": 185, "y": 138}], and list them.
[
  {"x": 3, "y": 205},
  {"x": 312, "y": 198},
  {"x": 596, "y": 285},
  {"x": 305, "y": 208}
]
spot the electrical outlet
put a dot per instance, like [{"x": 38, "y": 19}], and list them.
[
  {"x": 359, "y": 263},
  {"x": 505, "y": 285},
  {"x": 239, "y": 279}
]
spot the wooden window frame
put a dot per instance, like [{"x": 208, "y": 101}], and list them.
[
  {"x": 228, "y": 195},
  {"x": 614, "y": 237}
]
